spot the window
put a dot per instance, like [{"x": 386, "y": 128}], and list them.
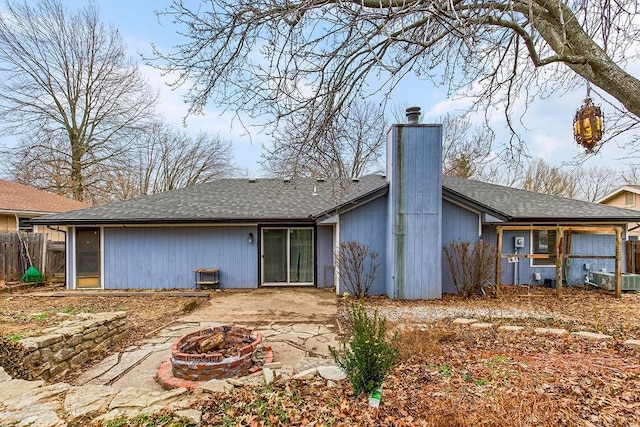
[
  {"x": 543, "y": 242},
  {"x": 629, "y": 199}
]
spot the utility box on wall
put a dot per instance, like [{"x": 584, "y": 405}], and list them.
[{"x": 518, "y": 242}]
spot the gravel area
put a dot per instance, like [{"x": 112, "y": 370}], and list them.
[{"x": 432, "y": 313}]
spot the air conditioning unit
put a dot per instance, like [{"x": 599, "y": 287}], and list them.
[{"x": 630, "y": 282}]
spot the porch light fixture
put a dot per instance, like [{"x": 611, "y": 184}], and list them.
[
  {"x": 250, "y": 238},
  {"x": 588, "y": 124}
]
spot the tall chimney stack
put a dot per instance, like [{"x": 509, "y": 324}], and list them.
[{"x": 413, "y": 267}]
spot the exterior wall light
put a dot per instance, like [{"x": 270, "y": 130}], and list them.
[
  {"x": 250, "y": 238},
  {"x": 588, "y": 124}
]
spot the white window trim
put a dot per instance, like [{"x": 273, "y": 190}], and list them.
[{"x": 531, "y": 264}]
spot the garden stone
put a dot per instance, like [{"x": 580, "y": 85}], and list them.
[
  {"x": 306, "y": 375},
  {"x": 510, "y": 328},
  {"x": 632, "y": 344},
  {"x": 4, "y": 376},
  {"x": 331, "y": 372},
  {"x": 464, "y": 321},
  {"x": 542, "y": 331},
  {"x": 592, "y": 335},
  {"x": 80, "y": 401},
  {"x": 268, "y": 376},
  {"x": 480, "y": 325},
  {"x": 216, "y": 386},
  {"x": 192, "y": 415},
  {"x": 307, "y": 363}
]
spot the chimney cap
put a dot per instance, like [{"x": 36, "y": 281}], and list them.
[{"x": 413, "y": 115}]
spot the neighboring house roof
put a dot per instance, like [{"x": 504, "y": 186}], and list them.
[
  {"x": 308, "y": 200},
  {"x": 234, "y": 200},
  {"x": 515, "y": 205},
  {"x": 18, "y": 198},
  {"x": 625, "y": 188}
]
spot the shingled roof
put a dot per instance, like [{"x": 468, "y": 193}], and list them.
[
  {"x": 234, "y": 200},
  {"x": 17, "y": 198},
  {"x": 515, "y": 205},
  {"x": 308, "y": 200}
]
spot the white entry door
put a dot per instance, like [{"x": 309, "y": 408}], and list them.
[{"x": 287, "y": 256}]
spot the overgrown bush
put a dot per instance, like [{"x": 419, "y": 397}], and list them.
[
  {"x": 369, "y": 355},
  {"x": 471, "y": 266},
  {"x": 358, "y": 266}
]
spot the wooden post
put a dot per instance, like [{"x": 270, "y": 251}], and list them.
[
  {"x": 559, "y": 251},
  {"x": 618, "y": 262},
  {"x": 498, "y": 261}
]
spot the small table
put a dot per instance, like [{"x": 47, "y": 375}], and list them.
[{"x": 206, "y": 277}]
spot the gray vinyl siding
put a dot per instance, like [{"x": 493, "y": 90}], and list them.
[
  {"x": 166, "y": 257},
  {"x": 366, "y": 224},
  {"x": 414, "y": 233},
  {"x": 581, "y": 244},
  {"x": 324, "y": 258},
  {"x": 457, "y": 224}
]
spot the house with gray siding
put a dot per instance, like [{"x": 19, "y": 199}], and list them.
[{"x": 286, "y": 232}]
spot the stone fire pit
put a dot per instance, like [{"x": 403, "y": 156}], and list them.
[{"x": 214, "y": 353}]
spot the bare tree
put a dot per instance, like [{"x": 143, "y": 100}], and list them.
[
  {"x": 466, "y": 150},
  {"x": 596, "y": 182},
  {"x": 631, "y": 176},
  {"x": 347, "y": 147},
  {"x": 166, "y": 159},
  {"x": 544, "y": 178},
  {"x": 67, "y": 85},
  {"x": 273, "y": 58}
]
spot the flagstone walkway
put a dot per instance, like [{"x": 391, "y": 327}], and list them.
[{"x": 123, "y": 383}]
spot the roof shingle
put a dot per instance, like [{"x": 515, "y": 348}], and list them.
[
  {"x": 308, "y": 199},
  {"x": 20, "y": 198},
  {"x": 228, "y": 200}
]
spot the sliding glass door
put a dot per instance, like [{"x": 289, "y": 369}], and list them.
[{"x": 287, "y": 256}]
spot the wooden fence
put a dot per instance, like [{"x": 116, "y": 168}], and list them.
[
  {"x": 633, "y": 256},
  {"x": 46, "y": 256}
]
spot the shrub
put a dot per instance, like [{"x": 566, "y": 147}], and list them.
[
  {"x": 369, "y": 356},
  {"x": 471, "y": 266},
  {"x": 358, "y": 266}
]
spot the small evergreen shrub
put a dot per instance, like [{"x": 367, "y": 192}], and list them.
[{"x": 369, "y": 356}]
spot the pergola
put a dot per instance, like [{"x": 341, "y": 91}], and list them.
[{"x": 560, "y": 255}]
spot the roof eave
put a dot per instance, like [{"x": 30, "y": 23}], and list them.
[
  {"x": 617, "y": 192},
  {"x": 142, "y": 221},
  {"x": 353, "y": 203},
  {"x": 555, "y": 220},
  {"x": 461, "y": 198}
]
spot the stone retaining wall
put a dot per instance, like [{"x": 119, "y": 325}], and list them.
[{"x": 66, "y": 346}]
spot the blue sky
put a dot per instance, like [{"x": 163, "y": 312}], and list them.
[{"x": 548, "y": 122}]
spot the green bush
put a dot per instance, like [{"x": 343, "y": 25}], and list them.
[{"x": 369, "y": 356}]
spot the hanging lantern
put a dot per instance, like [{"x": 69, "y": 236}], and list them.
[{"x": 588, "y": 124}]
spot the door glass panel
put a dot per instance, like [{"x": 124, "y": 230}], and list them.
[
  {"x": 88, "y": 257},
  {"x": 275, "y": 256},
  {"x": 301, "y": 255}
]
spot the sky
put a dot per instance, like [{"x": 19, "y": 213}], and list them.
[{"x": 548, "y": 122}]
